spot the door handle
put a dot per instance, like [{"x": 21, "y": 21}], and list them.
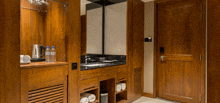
[{"x": 162, "y": 57}]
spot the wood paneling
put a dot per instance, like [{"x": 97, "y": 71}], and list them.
[
  {"x": 32, "y": 24},
  {"x": 137, "y": 78},
  {"x": 129, "y": 45},
  {"x": 44, "y": 28},
  {"x": 55, "y": 31},
  {"x": 45, "y": 81},
  {"x": 83, "y": 35},
  {"x": 9, "y": 51},
  {"x": 138, "y": 34},
  {"x": 135, "y": 48},
  {"x": 213, "y": 53},
  {"x": 148, "y": 95},
  {"x": 73, "y": 48}
]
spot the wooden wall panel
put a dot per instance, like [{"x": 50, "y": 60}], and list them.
[
  {"x": 83, "y": 35},
  {"x": 24, "y": 30},
  {"x": 129, "y": 46},
  {"x": 10, "y": 82},
  {"x": 32, "y": 24},
  {"x": 44, "y": 28},
  {"x": 213, "y": 53},
  {"x": 55, "y": 31},
  {"x": 73, "y": 48},
  {"x": 137, "y": 49},
  {"x": 138, "y": 33}
]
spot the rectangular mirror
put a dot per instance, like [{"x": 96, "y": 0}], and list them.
[
  {"x": 115, "y": 27},
  {"x": 104, "y": 28},
  {"x": 91, "y": 22},
  {"x": 103, "y": 33}
]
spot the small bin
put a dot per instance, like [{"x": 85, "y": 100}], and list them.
[{"x": 104, "y": 96}]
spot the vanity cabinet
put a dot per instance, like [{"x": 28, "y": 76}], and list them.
[
  {"x": 88, "y": 84},
  {"x": 93, "y": 81},
  {"x": 44, "y": 83}
]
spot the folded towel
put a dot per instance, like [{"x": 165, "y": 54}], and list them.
[
  {"x": 84, "y": 99},
  {"x": 118, "y": 87},
  {"x": 91, "y": 97},
  {"x": 123, "y": 86}
]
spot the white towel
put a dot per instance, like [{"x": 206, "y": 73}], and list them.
[
  {"x": 84, "y": 99},
  {"x": 123, "y": 86},
  {"x": 91, "y": 97},
  {"x": 118, "y": 87}
]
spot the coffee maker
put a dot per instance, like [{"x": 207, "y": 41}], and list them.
[{"x": 37, "y": 53}]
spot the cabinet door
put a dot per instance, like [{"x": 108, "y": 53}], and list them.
[
  {"x": 137, "y": 81},
  {"x": 134, "y": 84},
  {"x": 48, "y": 84},
  {"x": 88, "y": 84}
]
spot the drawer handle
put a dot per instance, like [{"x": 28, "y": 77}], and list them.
[
  {"x": 121, "y": 79},
  {"x": 89, "y": 88}
]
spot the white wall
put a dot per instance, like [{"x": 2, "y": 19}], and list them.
[
  {"x": 148, "y": 46},
  {"x": 116, "y": 29}
]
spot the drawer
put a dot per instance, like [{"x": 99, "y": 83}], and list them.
[
  {"x": 121, "y": 77},
  {"x": 89, "y": 84}
]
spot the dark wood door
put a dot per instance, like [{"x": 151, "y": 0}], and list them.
[{"x": 180, "y": 50}]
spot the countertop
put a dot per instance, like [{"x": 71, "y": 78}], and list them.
[{"x": 82, "y": 68}]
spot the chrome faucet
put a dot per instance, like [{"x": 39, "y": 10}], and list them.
[{"x": 86, "y": 59}]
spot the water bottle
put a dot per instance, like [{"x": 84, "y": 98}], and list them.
[
  {"x": 53, "y": 54},
  {"x": 47, "y": 54}
]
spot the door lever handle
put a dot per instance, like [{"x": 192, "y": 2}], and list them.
[{"x": 162, "y": 57}]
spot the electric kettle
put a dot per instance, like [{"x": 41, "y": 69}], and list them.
[{"x": 37, "y": 51}]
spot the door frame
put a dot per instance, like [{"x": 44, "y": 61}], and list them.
[{"x": 203, "y": 69}]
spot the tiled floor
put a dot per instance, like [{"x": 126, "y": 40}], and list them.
[{"x": 152, "y": 100}]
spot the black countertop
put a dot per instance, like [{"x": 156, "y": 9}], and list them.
[{"x": 82, "y": 68}]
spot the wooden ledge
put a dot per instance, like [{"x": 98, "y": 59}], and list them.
[
  {"x": 42, "y": 64},
  {"x": 122, "y": 101}
]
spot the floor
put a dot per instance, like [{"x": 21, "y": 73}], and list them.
[{"x": 152, "y": 100}]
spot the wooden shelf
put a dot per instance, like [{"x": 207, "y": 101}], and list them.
[
  {"x": 42, "y": 64},
  {"x": 121, "y": 91},
  {"x": 121, "y": 80},
  {"x": 90, "y": 89},
  {"x": 96, "y": 101},
  {"x": 122, "y": 101}
]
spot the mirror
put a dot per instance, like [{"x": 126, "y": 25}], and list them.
[
  {"x": 104, "y": 28},
  {"x": 91, "y": 27},
  {"x": 115, "y": 27}
]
